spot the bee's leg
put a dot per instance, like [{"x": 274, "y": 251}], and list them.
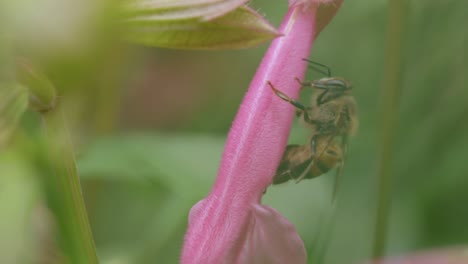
[
  {"x": 283, "y": 177},
  {"x": 309, "y": 162},
  {"x": 313, "y": 157},
  {"x": 313, "y": 145},
  {"x": 300, "y": 107},
  {"x": 307, "y": 113},
  {"x": 303, "y": 84},
  {"x": 299, "y": 112}
]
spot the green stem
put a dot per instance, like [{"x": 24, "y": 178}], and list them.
[
  {"x": 64, "y": 194},
  {"x": 391, "y": 97}
]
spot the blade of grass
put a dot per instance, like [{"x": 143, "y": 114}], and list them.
[{"x": 389, "y": 113}]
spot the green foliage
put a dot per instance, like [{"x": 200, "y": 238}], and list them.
[
  {"x": 13, "y": 103},
  {"x": 18, "y": 196},
  {"x": 176, "y": 171},
  {"x": 163, "y": 159},
  {"x": 188, "y": 28}
]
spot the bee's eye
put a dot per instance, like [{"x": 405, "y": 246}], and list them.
[{"x": 336, "y": 83}]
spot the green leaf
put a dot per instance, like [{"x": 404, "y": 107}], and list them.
[
  {"x": 182, "y": 9},
  {"x": 13, "y": 103},
  {"x": 183, "y": 167},
  {"x": 241, "y": 28},
  {"x": 187, "y": 164}
]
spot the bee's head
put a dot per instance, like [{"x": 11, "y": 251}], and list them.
[{"x": 332, "y": 88}]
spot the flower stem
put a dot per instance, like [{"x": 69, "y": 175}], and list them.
[
  {"x": 389, "y": 113},
  {"x": 64, "y": 194}
]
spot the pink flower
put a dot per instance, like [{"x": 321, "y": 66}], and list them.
[{"x": 230, "y": 225}]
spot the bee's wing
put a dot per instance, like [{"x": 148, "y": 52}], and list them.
[
  {"x": 341, "y": 118},
  {"x": 328, "y": 218},
  {"x": 339, "y": 170}
]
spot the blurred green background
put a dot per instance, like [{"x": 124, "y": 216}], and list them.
[{"x": 148, "y": 127}]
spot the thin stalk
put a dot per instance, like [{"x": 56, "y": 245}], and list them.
[
  {"x": 390, "y": 102},
  {"x": 64, "y": 194}
]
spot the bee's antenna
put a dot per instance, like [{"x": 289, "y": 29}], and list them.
[{"x": 327, "y": 72}]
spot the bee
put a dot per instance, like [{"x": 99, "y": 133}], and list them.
[
  {"x": 299, "y": 163},
  {"x": 331, "y": 118}
]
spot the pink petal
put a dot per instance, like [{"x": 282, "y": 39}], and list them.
[
  {"x": 229, "y": 225},
  {"x": 271, "y": 239},
  {"x": 254, "y": 147}
]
